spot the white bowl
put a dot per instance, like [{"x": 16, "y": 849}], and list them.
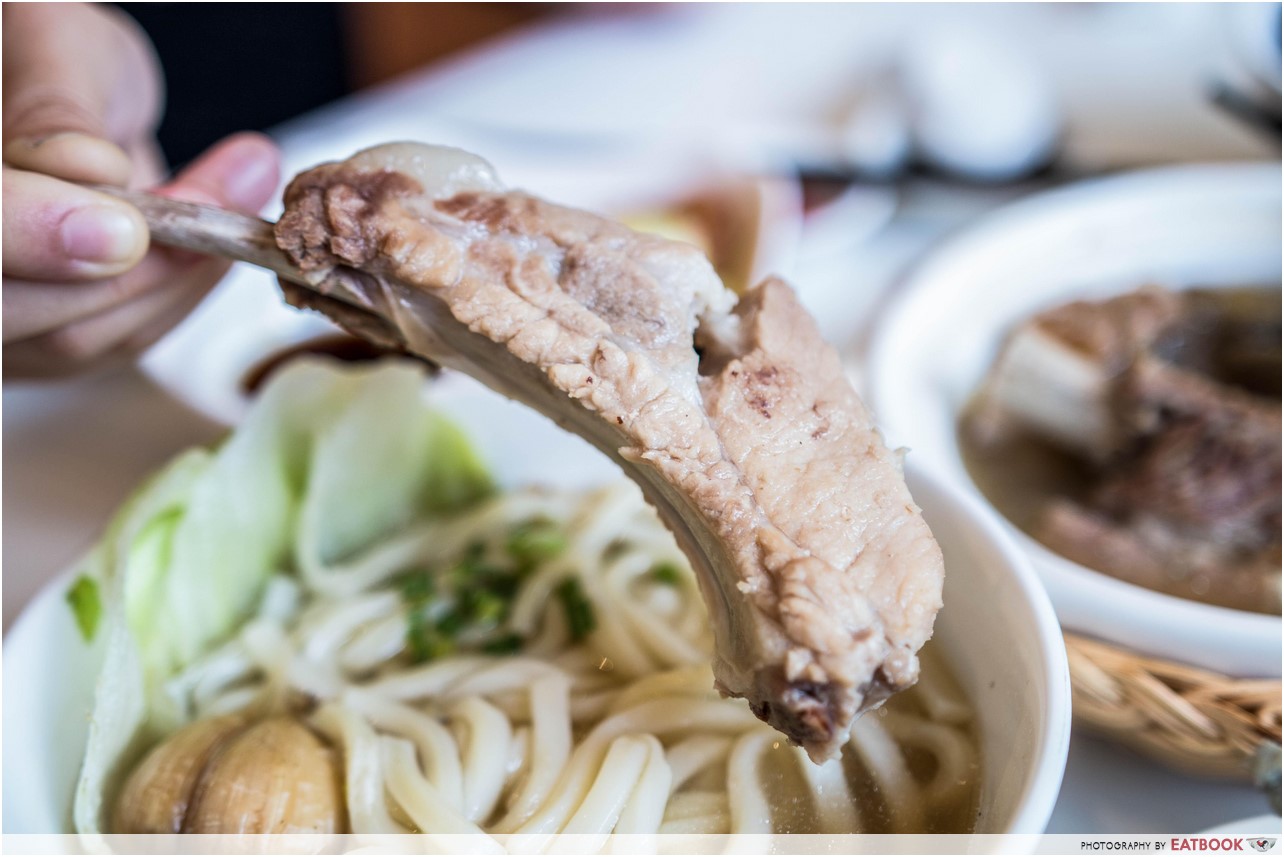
[
  {"x": 997, "y": 631},
  {"x": 1003, "y": 644},
  {"x": 1201, "y": 225}
]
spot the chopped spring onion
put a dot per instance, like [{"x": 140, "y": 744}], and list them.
[
  {"x": 535, "y": 541},
  {"x": 426, "y": 639},
  {"x": 504, "y": 645},
  {"x": 666, "y": 573},
  {"x": 451, "y": 624},
  {"x": 465, "y": 604},
  {"x": 86, "y": 605},
  {"x": 579, "y": 610},
  {"x": 483, "y": 606},
  {"x": 417, "y": 586}
]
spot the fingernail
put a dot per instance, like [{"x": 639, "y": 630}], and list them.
[{"x": 100, "y": 233}]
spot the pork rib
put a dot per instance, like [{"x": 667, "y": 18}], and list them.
[{"x": 821, "y": 577}]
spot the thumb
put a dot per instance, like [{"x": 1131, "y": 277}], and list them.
[
  {"x": 72, "y": 156},
  {"x": 67, "y": 70}
]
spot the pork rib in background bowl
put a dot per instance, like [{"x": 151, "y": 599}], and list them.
[{"x": 1211, "y": 227}]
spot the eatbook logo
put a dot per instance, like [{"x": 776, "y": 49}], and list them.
[{"x": 1262, "y": 845}]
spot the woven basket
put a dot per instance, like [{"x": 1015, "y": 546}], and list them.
[{"x": 1190, "y": 719}]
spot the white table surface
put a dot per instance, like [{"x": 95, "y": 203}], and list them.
[{"x": 74, "y": 449}]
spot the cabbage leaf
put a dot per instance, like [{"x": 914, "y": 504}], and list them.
[{"x": 329, "y": 461}]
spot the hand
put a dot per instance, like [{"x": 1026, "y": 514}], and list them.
[{"x": 82, "y": 97}]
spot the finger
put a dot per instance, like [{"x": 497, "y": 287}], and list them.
[
  {"x": 59, "y": 231},
  {"x": 241, "y": 172},
  {"x": 72, "y": 156},
  {"x": 77, "y": 346},
  {"x": 148, "y": 162},
  {"x": 120, "y": 331},
  {"x": 76, "y": 68},
  {"x": 31, "y": 308},
  {"x": 204, "y": 277}
]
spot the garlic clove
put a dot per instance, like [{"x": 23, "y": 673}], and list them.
[
  {"x": 156, "y": 795},
  {"x": 274, "y": 777}
]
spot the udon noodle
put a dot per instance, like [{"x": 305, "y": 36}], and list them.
[{"x": 602, "y": 719}]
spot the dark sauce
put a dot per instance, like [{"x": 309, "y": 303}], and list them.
[{"x": 339, "y": 346}]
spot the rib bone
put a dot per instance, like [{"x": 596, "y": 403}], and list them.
[{"x": 821, "y": 577}]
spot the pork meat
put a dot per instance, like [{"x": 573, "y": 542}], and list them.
[{"x": 821, "y": 578}]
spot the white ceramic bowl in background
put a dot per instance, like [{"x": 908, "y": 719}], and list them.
[
  {"x": 997, "y": 631},
  {"x": 1199, "y": 225}
]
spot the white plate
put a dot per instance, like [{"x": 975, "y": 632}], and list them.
[
  {"x": 204, "y": 361},
  {"x": 997, "y": 630},
  {"x": 1208, "y": 226}
]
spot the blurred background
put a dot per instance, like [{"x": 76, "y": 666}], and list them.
[
  {"x": 895, "y": 122},
  {"x": 1107, "y": 84},
  {"x": 282, "y": 59}
]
